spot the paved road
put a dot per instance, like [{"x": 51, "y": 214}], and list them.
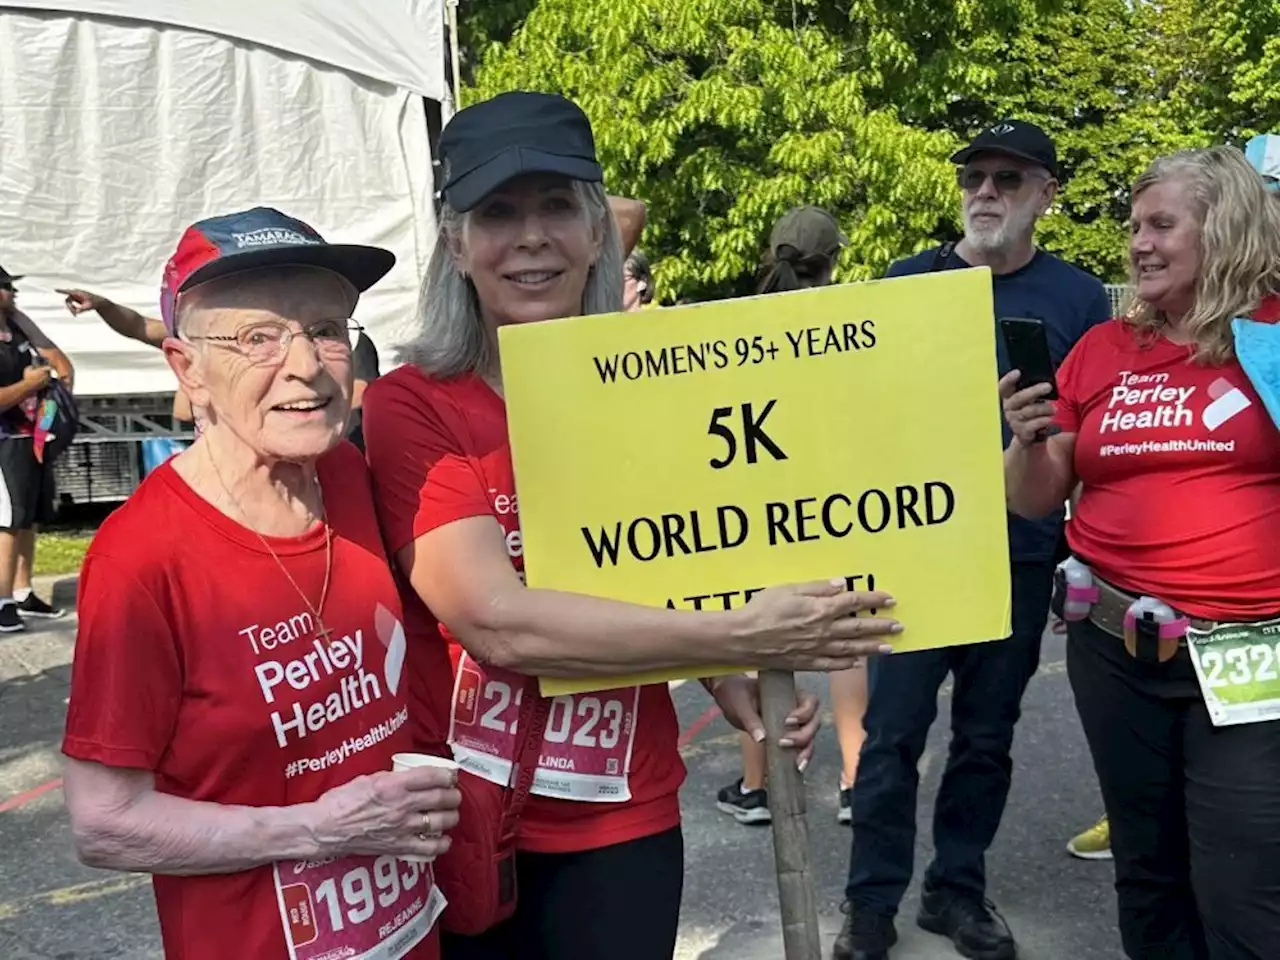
[{"x": 52, "y": 908}]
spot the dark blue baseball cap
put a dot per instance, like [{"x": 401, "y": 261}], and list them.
[
  {"x": 1015, "y": 138},
  {"x": 489, "y": 143},
  {"x": 262, "y": 237}
]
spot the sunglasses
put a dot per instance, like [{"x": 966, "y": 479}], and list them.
[
  {"x": 5, "y": 285},
  {"x": 1006, "y": 181}
]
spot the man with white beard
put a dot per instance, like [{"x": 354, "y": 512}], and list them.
[{"x": 1008, "y": 179}]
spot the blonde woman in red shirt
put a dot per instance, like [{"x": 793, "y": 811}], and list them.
[{"x": 1176, "y": 532}]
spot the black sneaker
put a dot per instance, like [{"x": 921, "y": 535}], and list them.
[
  {"x": 10, "y": 619},
  {"x": 33, "y": 606},
  {"x": 845, "y": 812},
  {"x": 864, "y": 935},
  {"x": 751, "y": 807},
  {"x": 974, "y": 926}
]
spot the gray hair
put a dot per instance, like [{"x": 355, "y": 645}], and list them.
[{"x": 452, "y": 339}]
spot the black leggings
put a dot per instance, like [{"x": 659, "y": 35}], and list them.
[
  {"x": 620, "y": 902},
  {"x": 1195, "y": 809}
]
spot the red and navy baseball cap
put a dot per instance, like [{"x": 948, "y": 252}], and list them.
[
  {"x": 261, "y": 237},
  {"x": 515, "y": 133}
]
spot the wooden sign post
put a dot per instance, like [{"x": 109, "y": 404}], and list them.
[{"x": 801, "y": 938}]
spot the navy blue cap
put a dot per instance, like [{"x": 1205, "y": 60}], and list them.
[
  {"x": 489, "y": 143},
  {"x": 1017, "y": 138}
]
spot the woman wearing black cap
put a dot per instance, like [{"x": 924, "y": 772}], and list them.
[{"x": 526, "y": 236}]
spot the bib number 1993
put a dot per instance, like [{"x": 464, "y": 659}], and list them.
[{"x": 364, "y": 908}]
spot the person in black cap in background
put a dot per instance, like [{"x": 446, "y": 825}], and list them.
[
  {"x": 28, "y": 360},
  {"x": 802, "y": 253},
  {"x": 526, "y": 237},
  {"x": 1008, "y": 179}
]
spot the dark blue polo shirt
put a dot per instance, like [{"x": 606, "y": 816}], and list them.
[{"x": 1069, "y": 301}]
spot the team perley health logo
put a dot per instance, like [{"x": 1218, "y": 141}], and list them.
[
  {"x": 1150, "y": 401},
  {"x": 332, "y": 673}
]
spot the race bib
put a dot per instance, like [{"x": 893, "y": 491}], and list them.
[
  {"x": 356, "y": 908},
  {"x": 1238, "y": 666},
  {"x": 586, "y": 748}
]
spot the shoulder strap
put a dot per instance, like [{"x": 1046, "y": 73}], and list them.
[
  {"x": 941, "y": 256},
  {"x": 532, "y": 721}
]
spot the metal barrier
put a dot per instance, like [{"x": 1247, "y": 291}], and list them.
[
  {"x": 104, "y": 464},
  {"x": 1119, "y": 294}
]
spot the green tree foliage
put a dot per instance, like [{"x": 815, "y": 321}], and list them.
[
  {"x": 1217, "y": 63},
  {"x": 721, "y": 114},
  {"x": 482, "y": 23}
]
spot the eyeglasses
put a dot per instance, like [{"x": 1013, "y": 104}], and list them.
[
  {"x": 1006, "y": 181},
  {"x": 7, "y": 286},
  {"x": 269, "y": 342}
]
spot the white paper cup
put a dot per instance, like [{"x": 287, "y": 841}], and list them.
[{"x": 407, "y": 761}]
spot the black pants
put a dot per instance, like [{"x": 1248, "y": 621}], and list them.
[
  {"x": 26, "y": 486},
  {"x": 990, "y": 679},
  {"x": 620, "y": 902},
  {"x": 1195, "y": 810}
]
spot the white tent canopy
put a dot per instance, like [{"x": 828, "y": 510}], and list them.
[{"x": 126, "y": 121}]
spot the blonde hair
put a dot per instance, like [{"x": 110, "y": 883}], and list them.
[
  {"x": 1239, "y": 246},
  {"x": 452, "y": 338}
]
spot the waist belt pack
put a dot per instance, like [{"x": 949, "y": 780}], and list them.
[
  {"x": 1151, "y": 629},
  {"x": 478, "y": 873}
]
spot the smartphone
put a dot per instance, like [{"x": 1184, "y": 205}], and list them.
[{"x": 1028, "y": 350}]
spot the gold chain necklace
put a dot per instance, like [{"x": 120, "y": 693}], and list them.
[{"x": 322, "y": 632}]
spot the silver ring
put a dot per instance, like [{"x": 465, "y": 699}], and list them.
[{"x": 426, "y": 832}]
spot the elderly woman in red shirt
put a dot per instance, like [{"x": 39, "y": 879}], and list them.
[
  {"x": 238, "y": 691},
  {"x": 1173, "y": 594}
]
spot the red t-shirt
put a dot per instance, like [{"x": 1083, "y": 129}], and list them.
[
  {"x": 1180, "y": 465},
  {"x": 438, "y": 452},
  {"x": 196, "y": 659}
]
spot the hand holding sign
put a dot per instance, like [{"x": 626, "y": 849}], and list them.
[{"x": 815, "y": 626}]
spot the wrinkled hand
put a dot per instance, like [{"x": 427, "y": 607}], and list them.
[
  {"x": 402, "y": 813},
  {"x": 814, "y": 626},
  {"x": 37, "y": 376},
  {"x": 81, "y": 301},
  {"x": 739, "y": 700},
  {"x": 1028, "y": 414}
]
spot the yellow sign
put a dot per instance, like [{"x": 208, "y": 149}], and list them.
[{"x": 692, "y": 456}]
